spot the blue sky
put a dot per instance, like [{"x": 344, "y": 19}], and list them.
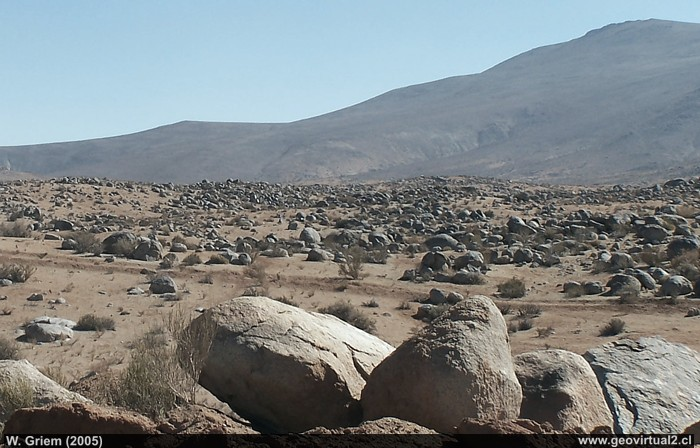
[{"x": 73, "y": 70}]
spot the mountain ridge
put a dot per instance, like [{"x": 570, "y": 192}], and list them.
[{"x": 618, "y": 104}]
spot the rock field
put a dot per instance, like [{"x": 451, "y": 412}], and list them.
[{"x": 486, "y": 305}]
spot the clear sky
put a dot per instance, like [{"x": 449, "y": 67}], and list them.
[{"x": 80, "y": 69}]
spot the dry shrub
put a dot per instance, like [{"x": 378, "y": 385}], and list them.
[
  {"x": 17, "y": 229},
  {"x": 653, "y": 256},
  {"x": 90, "y": 322},
  {"x": 16, "y": 393},
  {"x": 350, "y": 314},
  {"x": 217, "y": 259},
  {"x": 529, "y": 310},
  {"x": 287, "y": 301},
  {"x": 614, "y": 327},
  {"x": 124, "y": 247},
  {"x": 545, "y": 332},
  {"x": 512, "y": 289},
  {"x": 165, "y": 365},
  {"x": 17, "y": 272},
  {"x": 687, "y": 264},
  {"x": 56, "y": 374},
  {"x": 352, "y": 267},
  {"x": 9, "y": 349},
  {"x": 86, "y": 242},
  {"x": 192, "y": 259}
]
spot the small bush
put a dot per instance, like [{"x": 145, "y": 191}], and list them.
[
  {"x": 612, "y": 328},
  {"x": 192, "y": 259},
  {"x": 16, "y": 393},
  {"x": 208, "y": 279},
  {"x": 525, "y": 324},
  {"x": 574, "y": 290},
  {"x": 255, "y": 291},
  {"x": 124, "y": 247},
  {"x": 56, "y": 374},
  {"x": 404, "y": 306},
  {"x": 512, "y": 289},
  {"x": 354, "y": 262},
  {"x": 18, "y": 273},
  {"x": 377, "y": 256},
  {"x": 287, "y": 301},
  {"x": 179, "y": 239},
  {"x": 529, "y": 310},
  {"x": 505, "y": 309},
  {"x": 653, "y": 256},
  {"x": 17, "y": 229},
  {"x": 217, "y": 259},
  {"x": 345, "y": 311},
  {"x": 90, "y": 322},
  {"x": 513, "y": 326},
  {"x": 371, "y": 304},
  {"x": 628, "y": 295},
  {"x": 474, "y": 278},
  {"x": 8, "y": 349},
  {"x": 545, "y": 332},
  {"x": 86, "y": 242}
]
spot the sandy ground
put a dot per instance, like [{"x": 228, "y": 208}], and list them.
[{"x": 91, "y": 284}]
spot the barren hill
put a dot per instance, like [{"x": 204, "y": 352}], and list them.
[{"x": 620, "y": 104}]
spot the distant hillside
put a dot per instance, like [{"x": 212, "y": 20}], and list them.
[{"x": 620, "y": 104}]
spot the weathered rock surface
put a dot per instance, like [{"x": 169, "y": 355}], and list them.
[
  {"x": 559, "y": 387},
  {"x": 457, "y": 367},
  {"x": 46, "y": 390},
  {"x": 650, "y": 385},
  {"x": 78, "y": 418},
  {"x": 287, "y": 370}
]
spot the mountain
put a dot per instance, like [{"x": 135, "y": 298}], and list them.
[{"x": 620, "y": 104}]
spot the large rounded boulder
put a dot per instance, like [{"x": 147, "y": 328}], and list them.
[
  {"x": 287, "y": 370},
  {"x": 458, "y": 367},
  {"x": 559, "y": 387},
  {"x": 650, "y": 385}
]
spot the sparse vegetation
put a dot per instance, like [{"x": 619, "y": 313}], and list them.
[
  {"x": 124, "y": 247},
  {"x": 545, "y": 332},
  {"x": 17, "y": 272},
  {"x": 525, "y": 324},
  {"x": 512, "y": 289},
  {"x": 17, "y": 229},
  {"x": 353, "y": 265},
  {"x": 86, "y": 242},
  {"x": 404, "y": 306},
  {"x": 192, "y": 259},
  {"x": 529, "y": 310},
  {"x": 614, "y": 327},
  {"x": 208, "y": 279},
  {"x": 287, "y": 301},
  {"x": 9, "y": 349},
  {"x": 90, "y": 322},
  {"x": 15, "y": 393},
  {"x": 574, "y": 290},
  {"x": 371, "y": 304},
  {"x": 217, "y": 259},
  {"x": 505, "y": 309},
  {"x": 347, "y": 312}
]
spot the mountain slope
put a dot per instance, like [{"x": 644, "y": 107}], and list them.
[{"x": 619, "y": 104}]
